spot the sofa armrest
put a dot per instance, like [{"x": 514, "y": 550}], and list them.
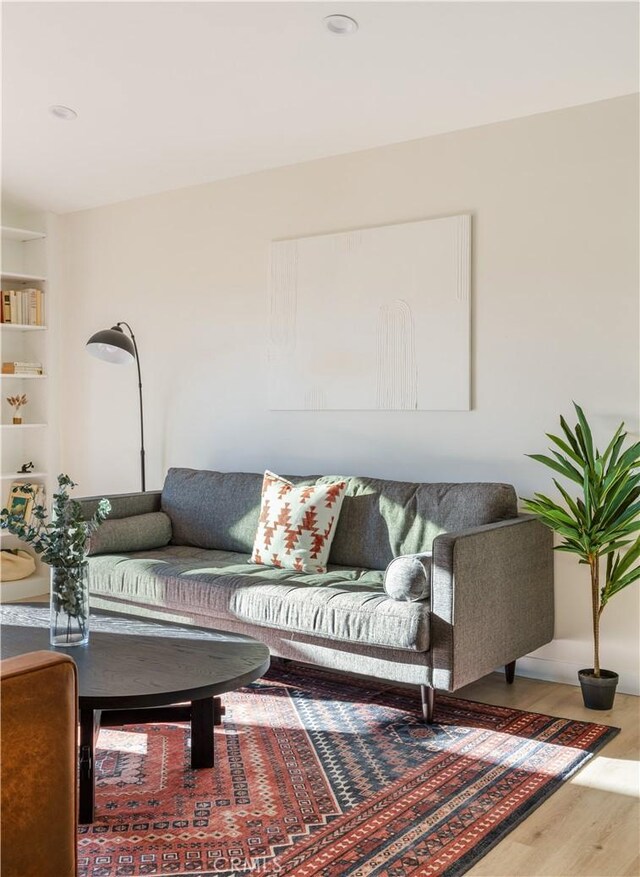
[
  {"x": 124, "y": 505},
  {"x": 39, "y": 765},
  {"x": 491, "y": 598}
]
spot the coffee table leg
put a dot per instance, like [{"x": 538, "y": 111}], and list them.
[
  {"x": 202, "y": 712},
  {"x": 89, "y": 728}
]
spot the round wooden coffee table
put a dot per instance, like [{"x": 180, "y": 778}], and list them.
[{"x": 135, "y": 671}]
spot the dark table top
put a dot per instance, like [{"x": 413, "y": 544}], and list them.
[{"x": 131, "y": 662}]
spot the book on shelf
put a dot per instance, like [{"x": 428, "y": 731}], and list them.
[
  {"x": 22, "y": 307},
  {"x": 22, "y": 368}
]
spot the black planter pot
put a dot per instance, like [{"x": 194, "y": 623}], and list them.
[{"x": 598, "y": 692}]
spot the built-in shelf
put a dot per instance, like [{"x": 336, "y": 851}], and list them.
[
  {"x": 21, "y": 234},
  {"x": 21, "y": 476},
  {"x": 25, "y": 377},
  {"x": 22, "y": 278},
  {"x": 26, "y": 262},
  {"x": 24, "y": 425}
]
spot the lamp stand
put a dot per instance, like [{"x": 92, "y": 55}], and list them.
[{"x": 142, "y": 461}]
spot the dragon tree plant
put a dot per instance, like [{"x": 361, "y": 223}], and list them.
[{"x": 603, "y": 521}]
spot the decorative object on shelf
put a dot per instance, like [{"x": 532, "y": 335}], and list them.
[
  {"x": 25, "y": 468},
  {"x": 17, "y": 402},
  {"x": 112, "y": 345},
  {"x": 600, "y": 524},
  {"x": 20, "y": 500},
  {"x": 15, "y": 564},
  {"x": 23, "y": 498},
  {"x": 62, "y": 543}
]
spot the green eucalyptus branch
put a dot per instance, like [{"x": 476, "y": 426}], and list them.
[{"x": 61, "y": 539}]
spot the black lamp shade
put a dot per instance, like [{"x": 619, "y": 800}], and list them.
[{"x": 111, "y": 345}]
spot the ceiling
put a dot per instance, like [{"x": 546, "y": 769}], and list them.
[{"x": 177, "y": 94}]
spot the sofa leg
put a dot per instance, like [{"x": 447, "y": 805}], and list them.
[
  {"x": 510, "y": 672},
  {"x": 428, "y": 695}
]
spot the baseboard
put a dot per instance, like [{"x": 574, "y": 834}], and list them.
[{"x": 564, "y": 671}]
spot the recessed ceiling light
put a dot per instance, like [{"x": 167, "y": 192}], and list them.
[
  {"x": 65, "y": 113},
  {"x": 341, "y": 24}
]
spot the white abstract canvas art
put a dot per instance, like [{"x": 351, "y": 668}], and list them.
[{"x": 377, "y": 318}]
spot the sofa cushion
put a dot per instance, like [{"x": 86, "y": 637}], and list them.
[
  {"x": 135, "y": 533},
  {"x": 336, "y": 614},
  {"x": 212, "y": 509},
  {"x": 381, "y": 519},
  {"x": 408, "y": 577},
  {"x": 296, "y": 524},
  {"x": 215, "y": 509},
  {"x": 346, "y": 604}
]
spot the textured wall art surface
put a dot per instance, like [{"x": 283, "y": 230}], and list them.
[{"x": 372, "y": 319}]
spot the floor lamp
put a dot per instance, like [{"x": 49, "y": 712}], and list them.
[{"x": 112, "y": 345}]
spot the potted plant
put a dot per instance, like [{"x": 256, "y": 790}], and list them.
[
  {"x": 62, "y": 543},
  {"x": 17, "y": 402},
  {"x": 598, "y": 526}
]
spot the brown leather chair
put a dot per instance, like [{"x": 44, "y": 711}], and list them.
[{"x": 39, "y": 706}]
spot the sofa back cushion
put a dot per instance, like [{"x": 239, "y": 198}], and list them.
[
  {"x": 379, "y": 519},
  {"x": 382, "y": 519},
  {"x": 217, "y": 510}
]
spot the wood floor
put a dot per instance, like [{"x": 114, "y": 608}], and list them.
[{"x": 589, "y": 827}]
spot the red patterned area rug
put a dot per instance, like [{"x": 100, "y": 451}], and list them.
[{"x": 317, "y": 776}]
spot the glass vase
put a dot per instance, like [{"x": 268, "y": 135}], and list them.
[{"x": 69, "y": 619}]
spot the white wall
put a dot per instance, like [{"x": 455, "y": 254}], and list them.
[{"x": 555, "y": 317}]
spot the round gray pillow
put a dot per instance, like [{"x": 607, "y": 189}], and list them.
[
  {"x": 408, "y": 577},
  {"x": 134, "y": 533}
]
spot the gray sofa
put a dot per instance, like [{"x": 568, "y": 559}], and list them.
[{"x": 491, "y": 592}]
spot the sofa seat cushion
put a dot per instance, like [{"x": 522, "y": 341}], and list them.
[
  {"x": 345, "y": 604},
  {"x": 336, "y": 613}
]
